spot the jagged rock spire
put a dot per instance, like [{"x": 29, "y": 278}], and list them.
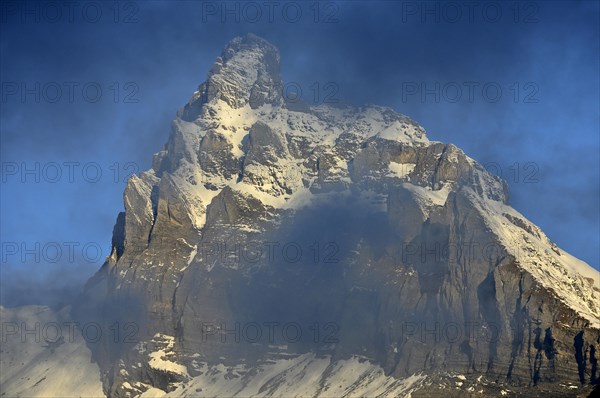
[{"x": 246, "y": 72}]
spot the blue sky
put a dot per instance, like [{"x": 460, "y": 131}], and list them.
[{"x": 515, "y": 85}]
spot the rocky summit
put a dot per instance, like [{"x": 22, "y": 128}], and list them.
[{"x": 281, "y": 249}]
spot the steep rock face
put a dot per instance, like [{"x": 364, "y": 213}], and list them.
[{"x": 410, "y": 255}]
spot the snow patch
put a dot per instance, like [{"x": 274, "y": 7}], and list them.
[
  {"x": 159, "y": 360},
  {"x": 304, "y": 375},
  {"x": 401, "y": 169}
]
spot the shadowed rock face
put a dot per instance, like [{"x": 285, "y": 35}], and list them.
[{"x": 346, "y": 222}]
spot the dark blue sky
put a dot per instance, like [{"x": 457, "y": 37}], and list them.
[{"x": 515, "y": 85}]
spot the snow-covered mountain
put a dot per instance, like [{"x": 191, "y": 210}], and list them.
[{"x": 397, "y": 259}]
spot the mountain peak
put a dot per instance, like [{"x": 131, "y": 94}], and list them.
[
  {"x": 251, "y": 43},
  {"x": 246, "y": 73},
  {"x": 414, "y": 224}
]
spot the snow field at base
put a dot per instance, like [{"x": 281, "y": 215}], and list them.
[
  {"x": 29, "y": 368},
  {"x": 301, "y": 376}
]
